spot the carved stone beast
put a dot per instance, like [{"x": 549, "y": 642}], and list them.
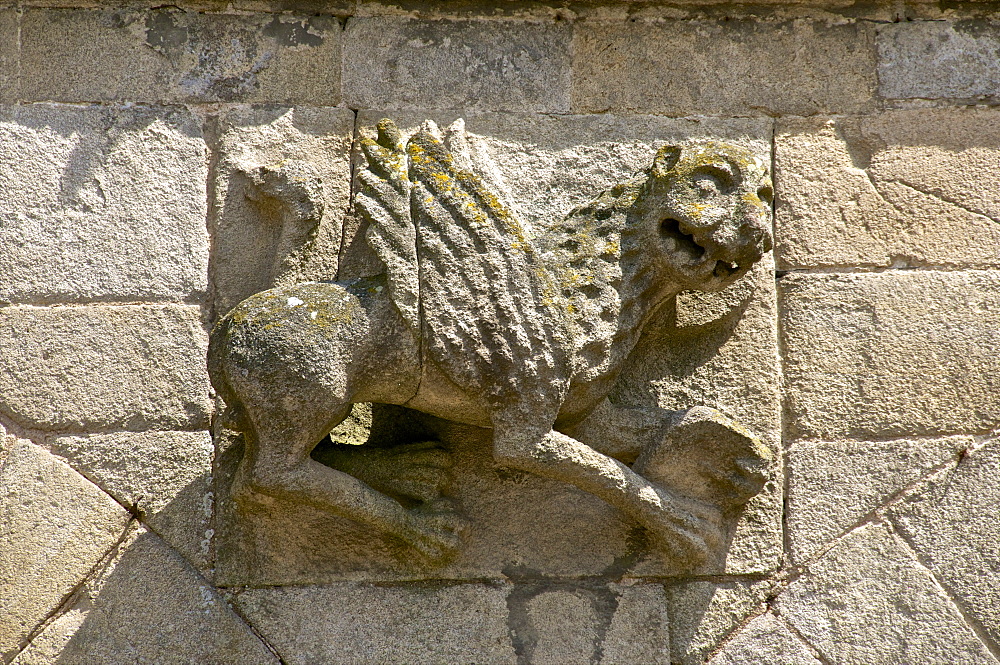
[{"x": 475, "y": 321}]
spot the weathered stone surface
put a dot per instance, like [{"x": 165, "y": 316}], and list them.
[
  {"x": 640, "y": 627},
  {"x": 563, "y": 624},
  {"x": 552, "y": 623},
  {"x": 256, "y": 241},
  {"x": 939, "y": 59},
  {"x": 116, "y": 367},
  {"x": 833, "y": 485},
  {"x": 348, "y": 623},
  {"x": 539, "y": 622},
  {"x": 765, "y": 641},
  {"x": 9, "y": 56},
  {"x": 903, "y": 188},
  {"x": 692, "y": 67},
  {"x": 101, "y": 203},
  {"x": 891, "y": 354},
  {"x": 167, "y": 55},
  {"x": 554, "y": 540},
  {"x": 702, "y": 614},
  {"x": 477, "y": 65},
  {"x": 147, "y": 606},
  {"x": 55, "y": 526},
  {"x": 952, "y": 523},
  {"x": 869, "y": 600},
  {"x": 165, "y": 475}
]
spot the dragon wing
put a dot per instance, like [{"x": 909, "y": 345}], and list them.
[
  {"x": 493, "y": 319},
  {"x": 383, "y": 201}
]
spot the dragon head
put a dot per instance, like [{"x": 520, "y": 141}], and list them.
[{"x": 707, "y": 209}]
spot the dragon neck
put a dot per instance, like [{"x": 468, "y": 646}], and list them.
[{"x": 607, "y": 279}]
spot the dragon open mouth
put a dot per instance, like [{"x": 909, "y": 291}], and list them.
[{"x": 685, "y": 244}]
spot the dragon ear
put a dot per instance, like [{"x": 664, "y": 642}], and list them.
[{"x": 666, "y": 158}]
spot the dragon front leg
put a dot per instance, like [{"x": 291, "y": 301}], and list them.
[
  {"x": 690, "y": 529},
  {"x": 698, "y": 452}
]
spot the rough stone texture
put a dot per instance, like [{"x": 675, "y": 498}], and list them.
[
  {"x": 952, "y": 523},
  {"x": 692, "y": 67},
  {"x": 166, "y": 476},
  {"x": 469, "y": 623},
  {"x": 833, "y": 485},
  {"x": 902, "y": 188},
  {"x": 120, "y": 367},
  {"x": 891, "y": 354},
  {"x": 869, "y": 600},
  {"x": 640, "y": 627},
  {"x": 475, "y": 65},
  {"x": 519, "y": 520},
  {"x": 55, "y": 526},
  {"x": 9, "y": 56},
  {"x": 101, "y": 203},
  {"x": 248, "y": 235},
  {"x": 146, "y": 606},
  {"x": 348, "y": 623},
  {"x": 562, "y": 623},
  {"x": 702, "y": 614},
  {"x": 765, "y": 641},
  {"x": 938, "y": 59},
  {"x": 179, "y": 56}
]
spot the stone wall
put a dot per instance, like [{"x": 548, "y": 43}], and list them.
[{"x": 865, "y": 353}]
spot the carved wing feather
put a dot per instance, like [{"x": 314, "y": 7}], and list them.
[
  {"x": 492, "y": 317},
  {"x": 383, "y": 201}
]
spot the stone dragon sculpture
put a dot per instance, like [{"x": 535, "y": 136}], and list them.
[{"x": 477, "y": 322}]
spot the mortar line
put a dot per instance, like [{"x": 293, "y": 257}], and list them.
[
  {"x": 816, "y": 653},
  {"x": 956, "y": 600},
  {"x": 784, "y": 443},
  {"x": 67, "y": 599},
  {"x": 252, "y": 628}
]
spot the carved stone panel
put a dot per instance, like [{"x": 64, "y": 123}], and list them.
[{"x": 550, "y": 398}]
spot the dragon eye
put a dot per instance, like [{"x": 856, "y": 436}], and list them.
[{"x": 707, "y": 184}]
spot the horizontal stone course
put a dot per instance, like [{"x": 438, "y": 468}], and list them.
[
  {"x": 904, "y": 188},
  {"x": 168, "y": 55},
  {"x": 891, "y": 354},
  {"x": 102, "y": 203},
  {"x": 528, "y": 621},
  {"x": 738, "y": 67},
  {"x": 939, "y": 59},
  {"x": 104, "y": 367},
  {"x": 495, "y": 65}
]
